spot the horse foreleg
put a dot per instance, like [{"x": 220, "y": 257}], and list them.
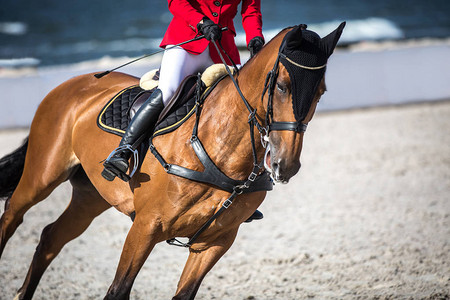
[
  {"x": 83, "y": 208},
  {"x": 199, "y": 263},
  {"x": 140, "y": 241}
]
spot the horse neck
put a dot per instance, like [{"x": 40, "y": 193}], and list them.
[
  {"x": 225, "y": 119},
  {"x": 251, "y": 79},
  {"x": 252, "y": 76}
]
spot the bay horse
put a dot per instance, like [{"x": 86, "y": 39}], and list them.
[{"x": 64, "y": 144}]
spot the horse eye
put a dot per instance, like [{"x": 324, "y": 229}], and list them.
[{"x": 282, "y": 88}]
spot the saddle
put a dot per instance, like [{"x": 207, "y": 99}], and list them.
[{"x": 118, "y": 112}]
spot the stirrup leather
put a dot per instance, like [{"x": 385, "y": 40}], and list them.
[{"x": 135, "y": 156}]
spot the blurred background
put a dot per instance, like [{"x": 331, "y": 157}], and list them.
[
  {"x": 47, "y": 42},
  {"x": 368, "y": 216},
  {"x": 53, "y": 32}
]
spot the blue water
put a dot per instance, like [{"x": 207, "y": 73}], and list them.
[{"x": 50, "y": 32}]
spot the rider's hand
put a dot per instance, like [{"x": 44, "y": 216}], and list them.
[
  {"x": 255, "y": 45},
  {"x": 209, "y": 29}
]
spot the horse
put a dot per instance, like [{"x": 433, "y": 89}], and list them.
[{"x": 65, "y": 145}]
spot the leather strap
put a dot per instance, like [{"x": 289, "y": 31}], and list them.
[
  {"x": 212, "y": 174},
  {"x": 291, "y": 126}
]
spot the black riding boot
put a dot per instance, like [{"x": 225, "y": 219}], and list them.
[
  {"x": 257, "y": 215},
  {"x": 141, "y": 126}
]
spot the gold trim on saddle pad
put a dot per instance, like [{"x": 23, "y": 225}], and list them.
[
  {"x": 108, "y": 105},
  {"x": 184, "y": 119}
]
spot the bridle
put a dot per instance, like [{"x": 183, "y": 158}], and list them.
[
  {"x": 258, "y": 171},
  {"x": 253, "y": 122},
  {"x": 269, "y": 87}
]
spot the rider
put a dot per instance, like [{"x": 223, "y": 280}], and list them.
[{"x": 190, "y": 19}]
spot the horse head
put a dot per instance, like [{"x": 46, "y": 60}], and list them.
[{"x": 295, "y": 85}]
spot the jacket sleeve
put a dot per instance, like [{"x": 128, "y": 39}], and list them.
[
  {"x": 183, "y": 9},
  {"x": 252, "y": 19}
]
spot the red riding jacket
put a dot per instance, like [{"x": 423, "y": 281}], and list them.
[{"x": 187, "y": 14}]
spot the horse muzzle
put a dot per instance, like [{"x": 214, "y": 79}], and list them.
[{"x": 280, "y": 169}]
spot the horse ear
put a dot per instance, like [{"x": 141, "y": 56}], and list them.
[
  {"x": 329, "y": 42},
  {"x": 294, "y": 38}
]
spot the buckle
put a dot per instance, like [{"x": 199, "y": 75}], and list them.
[
  {"x": 227, "y": 203},
  {"x": 252, "y": 176},
  {"x": 239, "y": 189}
]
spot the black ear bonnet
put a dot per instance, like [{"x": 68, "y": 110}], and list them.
[{"x": 304, "y": 55}]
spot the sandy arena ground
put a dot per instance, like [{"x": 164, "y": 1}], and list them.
[{"x": 368, "y": 217}]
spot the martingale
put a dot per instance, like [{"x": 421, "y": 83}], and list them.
[{"x": 211, "y": 174}]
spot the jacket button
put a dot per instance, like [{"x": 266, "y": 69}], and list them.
[
  {"x": 215, "y": 14},
  {"x": 217, "y": 3}
]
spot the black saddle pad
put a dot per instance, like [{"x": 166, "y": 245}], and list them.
[
  {"x": 176, "y": 119},
  {"x": 115, "y": 117}
]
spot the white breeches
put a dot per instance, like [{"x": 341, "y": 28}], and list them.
[{"x": 176, "y": 64}]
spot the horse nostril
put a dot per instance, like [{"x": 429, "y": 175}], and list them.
[{"x": 276, "y": 168}]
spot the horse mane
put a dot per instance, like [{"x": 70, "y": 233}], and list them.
[{"x": 268, "y": 44}]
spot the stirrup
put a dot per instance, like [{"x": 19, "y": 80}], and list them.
[{"x": 135, "y": 157}]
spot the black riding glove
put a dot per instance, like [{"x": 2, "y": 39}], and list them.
[
  {"x": 209, "y": 29},
  {"x": 255, "y": 45}
]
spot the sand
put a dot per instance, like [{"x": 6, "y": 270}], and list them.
[{"x": 367, "y": 217}]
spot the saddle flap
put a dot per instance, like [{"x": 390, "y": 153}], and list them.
[
  {"x": 184, "y": 92},
  {"x": 138, "y": 101},
  {"x": 113, "y": 117}
]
